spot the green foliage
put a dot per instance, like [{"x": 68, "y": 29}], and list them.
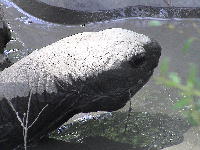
[
  {"x": 175, "y": 78},
  {"x": 187, "y": 44},
  {"x": 192, "y": 76},
  {"x": 164, "y": 66},
  {"x": 190, "y": 101},
  {"x": 184, "y": 101},
  {"x": 154, "y": 23},
  {"x": 189, "y": 90}
]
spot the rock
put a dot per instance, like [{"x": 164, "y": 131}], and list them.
[
  {"x": 91, "y": 5},
  {"x": 4, "y": 33},
  {"x": 62, "y": 15},
  {"x": 191, "y": 140},
  {"x": 4, "y": 62},
  {"x": 86, "y": 72},
  {"x": 5, "y": 37}
]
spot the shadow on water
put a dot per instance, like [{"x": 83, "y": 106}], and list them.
[
  {"x": 119, "y": 131},
  {"x": 62, "y": 15}
]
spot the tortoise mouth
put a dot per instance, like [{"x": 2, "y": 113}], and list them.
[
  {"x": 153, "y": 53},
  {"x": 153, "y": 49}
]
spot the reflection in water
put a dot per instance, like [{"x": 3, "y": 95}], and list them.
[{"x": 141, "y": 130}]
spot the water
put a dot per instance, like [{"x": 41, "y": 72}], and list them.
[
  {"x": 27, "y": 17},
  {"x": 155, "y": 100}
]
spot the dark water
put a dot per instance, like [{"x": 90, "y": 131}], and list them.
[{"x": 152, "y": 123}]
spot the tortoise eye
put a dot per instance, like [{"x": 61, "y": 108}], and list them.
[{"x": 137, "y": 61}]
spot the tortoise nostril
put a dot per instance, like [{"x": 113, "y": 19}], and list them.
[{"x": 138, "y": 61}]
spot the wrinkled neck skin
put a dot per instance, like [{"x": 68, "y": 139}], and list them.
[{"x": 108, "y": 90}]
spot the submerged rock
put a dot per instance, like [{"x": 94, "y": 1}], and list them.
[
  {"x": 141, "y": 130},
  {"x": 91, "y": 71}
]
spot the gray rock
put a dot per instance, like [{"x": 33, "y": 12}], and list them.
[
  {"x": 91, "y": 5},
  {"x": 4, "y": 33},
  {"x": 4, "y": 62},
  {"x": 88, "y": 5},
  {"x": 69, "y": 15},
  {"x": 86, "y": 72},
  {"x": 5, "y": 37}
]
